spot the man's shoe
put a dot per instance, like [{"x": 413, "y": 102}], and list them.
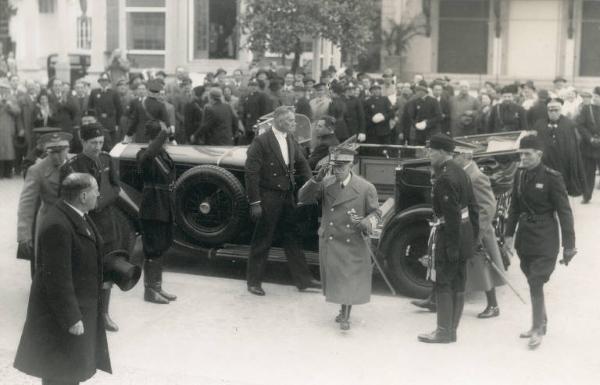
[
  {"x": 256, "y": 290},
  {"x": 340, "y": 317},
  {"x": 530, "y": 332},
  {"x": 109, "y": 324},
  {"x": 438, "y": 336},
  {"x": 425, "y": 304},
  {"x": 536, "y": 339},
  {"x": 170, "y": 297},
  {"x": 311, "y": 284},
  {"x": 345, "y": 324},
  {"x": 489, "y": 312},
  {"x": 151, "y": 295}
]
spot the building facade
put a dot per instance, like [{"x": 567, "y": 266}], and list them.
[{"x": 502, "y": 40}]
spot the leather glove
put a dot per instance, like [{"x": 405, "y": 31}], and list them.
[
  {"x": 365, "y": 226},
  {"x": 421, "y": 125},
  {"x": 568, "y": 254},
  {"x": 25, "y": 250},
  {"x": 255, "y": 212},
  {"x": 127, "y": 139},
  {"x": 378, "y": 118},
  {"x": 361, "y": 137}
]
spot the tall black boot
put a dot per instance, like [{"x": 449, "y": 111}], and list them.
[
  {"x": 109, "y": 324},
  {"x": 445, "y": 309},
  {"x": 539, "y": 328},
  {"x": 170, "y": 297},
  {"x": 152, "y": 283},
  {"x": 537, "y": 296},
  {"x": 459, "y": 304},
  {"x": 428, "y": 303}
]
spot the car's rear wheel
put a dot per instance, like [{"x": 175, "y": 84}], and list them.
[
  {"x": 403, "y": 250},
  {"x": 211, "y": 205}
]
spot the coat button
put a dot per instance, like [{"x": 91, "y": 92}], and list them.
[
  {"x": 332, "y": 209},
  {"x": 279, "y": 185},
  {"x": 274, "y": 174},
  {"x": 330, "y": 237},
  {"x": 330, "y": 223},
  {"x": 347, "y": 240},
  {"x": 348, "y": 226}
]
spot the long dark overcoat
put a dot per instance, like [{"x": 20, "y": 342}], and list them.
[{"x": 65, "y": 289}]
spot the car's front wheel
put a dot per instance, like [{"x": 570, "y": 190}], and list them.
[{"x": 211, "y": 205}]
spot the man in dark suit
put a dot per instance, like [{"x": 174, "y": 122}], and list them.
[
  {"x": 301, "y": 102},
  {"x": 539, "y": 197},
  {"x": 452, "y": 240},
  {"x": 588, "y": 124},
  {"x": 274, "y": 158},
  {"x": 219, "y": 122},
  {"x": 355, "y": 113},
  {"x": 378, "y": 111},
  {"x": 105, "y": 101},
  {"x": 65, "y": 112},
  {"x": 156, "y": 210},
  {"x": 99, "y": 164},
  {"x": 63, "y": 340},
  {"x": 438, "y": 94},
  {"x": 254, "y": 105},
  {"x": 148, "y": 108},
  {"x": 508, "y": 115},
  {"x": 423, "y": 114}
]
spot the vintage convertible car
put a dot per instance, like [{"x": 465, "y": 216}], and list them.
[{"x": 212, "y": 219}]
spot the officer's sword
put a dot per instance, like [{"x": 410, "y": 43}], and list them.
[{"x": 501, "y": 273}]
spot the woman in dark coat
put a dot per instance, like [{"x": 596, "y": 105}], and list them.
[{"x": 63, "y": 340}]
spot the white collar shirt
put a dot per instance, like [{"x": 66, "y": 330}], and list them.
[
  {"x": 81, "y": 213},
  {"x": 283, "y": 145},
  {"x": 347, "y": 180}
]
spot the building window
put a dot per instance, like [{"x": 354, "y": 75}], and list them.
[
  {"x": 146, "y": 31},
  {"x": 589, "y": 65},
  {"x": 463, "y": 36},
  {"x": 84, "y": 32},
  {"x": 215, "y": 26},
  {"x": 47, "y": 6}
]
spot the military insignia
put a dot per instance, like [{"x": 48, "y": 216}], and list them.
[
  {"x": 373, "y": 106},
  {"x": 539, "y": 186},
  {"x": 418, "y": 106},
  {"x": 98, "y": 96},
  {"x": 445, "y": 198}
]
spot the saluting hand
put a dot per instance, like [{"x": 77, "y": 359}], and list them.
[
  {"x": 321, "y": 173},
  {"x": 77, "y": 329}
]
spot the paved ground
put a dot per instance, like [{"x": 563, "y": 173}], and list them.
[{"x": 217, "y": 333}]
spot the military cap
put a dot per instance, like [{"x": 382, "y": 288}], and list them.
[
  {"x": 342, "y": 155},
  {"x": 186, "y": 80},
  {"x": 420, "y": 87},
  {"x": 556, "y": 102},
  {"x": 559, "y": 79},
  {"x": 299, "y": 89},
  {"x": 161, "y": 73},
  {"x": 55, "y": 140},
  {"x": 91, "y": 131},
  {"x": 374, "y": 86},
  {"x": 103, "y": 77},
  {"x": 308, "y": 80},
  {"x": 586, "y": 94},
  {"x": 510, "y": 89},
  {"x": 221, "y": 71},
  {"x": 531, "y": 142},
  {"x": 46, "y": 130},
  {"x": 155, "y": 85},
  {"x": 441, "y": 142},
  {"x": 319, "y": 85}
]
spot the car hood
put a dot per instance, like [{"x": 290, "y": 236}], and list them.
[{"x": 223, "y": 156}]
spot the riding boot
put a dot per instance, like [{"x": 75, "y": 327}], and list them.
[
  {"x": 459, "y": 304},
  {"x": 445, "y": 309},
  {"x": 152, "y": 283},
  {"x": 345, "y": 322},
  {"x": 427, "y": 303},
  {"x": 538, "y": 331},
  {"x": 170, "y": 297},
  {"x": 109, "y": 324},
  {"x": 544, "y": 323}
]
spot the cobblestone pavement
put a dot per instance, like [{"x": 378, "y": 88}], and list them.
[{"x": 217, "y": 333}]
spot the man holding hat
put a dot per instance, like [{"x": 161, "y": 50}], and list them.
[
  {"x": 454, "y": 229},
  {"x": 105, "y": 101},
  {"x": 507, "y": 115},
  {"x": 561, "y": 149},
  {"x": 378, "y": 111},
  {"x": 350, "y": 214},
  {"x": 539, "y": 196},
  {"x": 40, "y": 191},
  {"x": 423, "y": 115},
  {"x": 148, "y": 108},
  {"x": 99, "y": 164}
]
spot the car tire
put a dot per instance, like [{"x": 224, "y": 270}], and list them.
[
  {"x": 211, "y": 205},
  {"x": 402, "y": 250}
]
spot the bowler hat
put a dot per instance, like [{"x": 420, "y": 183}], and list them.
[{"x": 119, "y": 270}]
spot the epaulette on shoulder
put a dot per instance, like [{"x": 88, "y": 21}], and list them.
[{"x": 552, "y": 171}]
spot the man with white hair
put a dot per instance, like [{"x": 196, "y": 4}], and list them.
[{"x": 461, "y": 106}]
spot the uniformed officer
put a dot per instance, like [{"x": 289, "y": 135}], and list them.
[
  {"x": 105, "y": 101},
  {"x": 92, "y": 160},
  {"x": 156, "y": 210},
  {"x": 378, "y": 111},
  {"x": 454, "y": 229},
  {"x": 40, "y": 191},
  {"x": 507, "y": 115},
  {"x": 350, "y": 213},
  {"x": 538, "y": 197}
]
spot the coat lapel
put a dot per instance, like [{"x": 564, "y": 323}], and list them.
[
  {"x": 78, "y": 223},
  {"x": 275, "y": 147}
]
